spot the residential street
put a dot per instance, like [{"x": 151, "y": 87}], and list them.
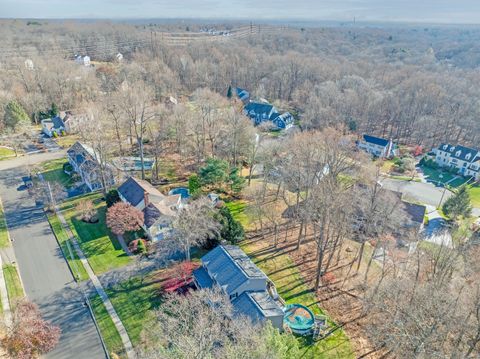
[{"x": 45, "y": 274}]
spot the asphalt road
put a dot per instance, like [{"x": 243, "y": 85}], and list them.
[{"x": 45, "y": 274}]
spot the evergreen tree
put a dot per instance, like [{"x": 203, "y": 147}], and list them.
[
  {"x": 53, "y": 110},
  {"x": 237, "y": 182},
  {"x": 194, "y": 185},
  {"x": 229, "y": 92},
  {"x": 232, "y": 231},
  {"x": 458, "y": 205},
  {"x": 214, "y": 173},
  {"x": 15, "y": 115},
  {"x": 112, "y": 197}
]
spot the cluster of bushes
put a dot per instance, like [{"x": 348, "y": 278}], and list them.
[
  {"x": 404, "y": 164},
  {"x": 429, "y": 163}
]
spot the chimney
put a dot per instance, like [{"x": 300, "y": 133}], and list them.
[{"x": 145, "y": 198}]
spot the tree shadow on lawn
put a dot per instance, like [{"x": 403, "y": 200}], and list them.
[{"x": 89, "y": 232}]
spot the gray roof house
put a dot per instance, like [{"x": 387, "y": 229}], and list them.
[
  {"x": 229, "y": 268},
  {"x": 158, "y": 209},
  {"x": 84, "y": 161},
  {"x": 52, "y": 126},
  {"x": 378, "y": 147},
  {"x": 261, "y": 112},
  {"x": 465, "y": 160},
  {"x": 242, "y": 94}
]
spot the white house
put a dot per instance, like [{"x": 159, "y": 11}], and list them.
[
  {"x": 464, "y": 159},
  {"x": 119, "y": 57},
  {"x": 82, "y": 60},
  {"x": 158, "y": 209},
  {"x": 29, "y": 64},
  {"x": 84, "y": 161},
  {"x": 378, "y": 147}
]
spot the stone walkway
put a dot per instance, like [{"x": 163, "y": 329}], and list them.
[{"x": 100, "y": 290}]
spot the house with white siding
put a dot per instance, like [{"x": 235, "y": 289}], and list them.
[
  {"x": 378, "y": 147},
  {"x": 465, "y": 160}
]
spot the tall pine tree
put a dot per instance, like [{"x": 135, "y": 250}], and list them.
[{"x": 458, "y": 205}]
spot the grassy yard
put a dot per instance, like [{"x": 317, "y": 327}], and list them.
[
  {"x": 474, "y": 192},
  {"x": 436, "y": 175},
  {"x": 291, "y": 287},
  {"x": 66, "y": 141},
  {"x": 99, "y": 246},
  {"x": 4, "y": 241},
  {"x": 14, "y": 286},
  {"x": 237, "y": 209},
  {"x": 52, "y": 171},
  {"x": 73, "y": 261},
  {"x": 6, "y": 152},
  {"x": 110, "y": 335}
]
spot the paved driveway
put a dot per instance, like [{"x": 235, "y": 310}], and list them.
[
  {"x": 45, "y": 274},
  {"x": 425, "y": 193}
]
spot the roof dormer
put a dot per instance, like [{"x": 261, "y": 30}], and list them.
[
  {"x": 468, "y": 156},
  {"x": 445, "y": 147},
  {"x": 452, "y": 148},
  {"x": 458, "y": 153}
]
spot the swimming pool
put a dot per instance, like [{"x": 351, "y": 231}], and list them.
[
  {"x": 299, "y": 318},
  {"x": 182, "y": 191}
]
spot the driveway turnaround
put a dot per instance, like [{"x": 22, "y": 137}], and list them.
[{"x": 47, "y": 279}]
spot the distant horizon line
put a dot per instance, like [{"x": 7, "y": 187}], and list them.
[{"x": 250, "y": 20}]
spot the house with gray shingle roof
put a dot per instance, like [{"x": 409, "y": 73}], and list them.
[
  {"x": 84, "y": 161},
  {"x": 53, "y": 126},
  {"x": 158, "y": 209},
  {"x": 465, "y": 160},
  {"x": 229, "y": 268}
]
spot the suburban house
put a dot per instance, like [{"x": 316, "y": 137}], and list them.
[
  {"x": 464, "y": 159},
  {"x": 261, "y": 112},
  {"x": 82, "y": 60},
  {"x": 284, "y": 121},
  {"x": 243, "y": 95},
  {"x": 378, "y": 147},
  {"x": 84, "y": 161},
  {"x": 53, "y": 126},
  {"x": 229, "y": 268},
  {"x": 158, "y": 209}
]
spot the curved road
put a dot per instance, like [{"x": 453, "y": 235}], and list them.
[{"x": 47, "y": 279}]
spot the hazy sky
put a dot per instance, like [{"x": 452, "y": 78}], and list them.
[{"x": 443, "y": 11}]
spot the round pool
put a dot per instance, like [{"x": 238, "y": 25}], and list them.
[
  {"x": 299, "y": 318},
  {"x": 182, "y": 191}
]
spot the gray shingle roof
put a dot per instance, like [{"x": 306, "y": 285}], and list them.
[
  {"x": 464, "y": 151},
  {"x": 202, "y": 278},
  {"x": 133, "y": 190},
  {"x": 256, "y": 305},
  {"x": 230, "y": 267}
]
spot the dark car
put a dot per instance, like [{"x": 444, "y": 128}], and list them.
[{"x": 27, "y": 180}]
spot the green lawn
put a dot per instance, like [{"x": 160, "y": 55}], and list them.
[
  {"x": 458, "y": 182},
  {"x": 4, "y": 241},
  {"x": 109, "y": 332},
  {"x": 134, "y": 301},
  {"x": 292, "y": 288},
  {"x": 436, "y": 175},
  {"x": 72, "y": 258},
  {"x": 52, "y": 171},
  {"x": 6, "y": 152},
  {"x": 99, "y": 246},
  {"x": 14, "y": 286},
  {"x": 474, "y": 192},
  {"x": 237, "y": 209}
]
